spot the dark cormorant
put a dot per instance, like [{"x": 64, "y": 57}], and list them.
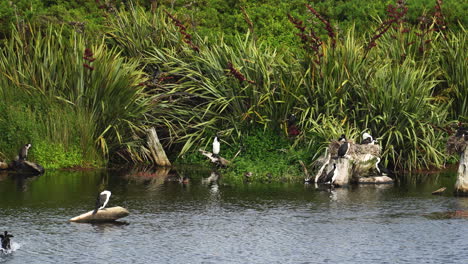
[
  {"x": 343, "y": 149},
  {"x": 102, "y": 200},
  {"x": 5, "y": 238}
]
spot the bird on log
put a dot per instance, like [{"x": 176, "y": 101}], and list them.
[{"x": 102, "y": 200}]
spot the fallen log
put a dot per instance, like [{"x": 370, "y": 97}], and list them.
[
  {"x": 215, "y": 159},
  {"x": 104, "y": 215},
  {"x": 439, "y": 191},
  {"x": 157, "y": 151},
  {"x": 27, "y": 167}
]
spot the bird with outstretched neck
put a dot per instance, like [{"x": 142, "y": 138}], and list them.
[{"x": 102, "y": 200}]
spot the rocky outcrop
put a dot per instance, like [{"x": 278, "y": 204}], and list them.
[{"x": 359, "y": 165}]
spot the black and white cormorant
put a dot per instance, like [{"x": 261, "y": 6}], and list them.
[
  {"x": 102, "y": 200},
  {"x": 367, "y": 139},
  {"x": 216, "y": 146},
  {"x": 342, "y": 138},
  {"x": 329, "y": 177},
  {"x": 382, "y": 170},
  {"x": 23, "y": 153},
  {"x": 343, "y": 149},
  {"x": 5, "y": 239}
]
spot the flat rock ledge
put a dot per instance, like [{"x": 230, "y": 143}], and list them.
[
  {"x": 374, "y": 180},
  {"x": 104, "y": 215}
]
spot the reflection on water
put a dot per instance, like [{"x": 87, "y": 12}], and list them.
[{"x": 193, "y": 216}]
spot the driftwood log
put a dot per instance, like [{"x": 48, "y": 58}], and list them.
[
  {"x": 104, "y": 215},
  {"x": 358, "y": 166},
  {"x": 157, "y": 151},
  {"x": 218, "y": 160},
  {"x": 458, "y": 144},
  {"x": 439, "y": 191},
  {"x": 26, "y": 167}
]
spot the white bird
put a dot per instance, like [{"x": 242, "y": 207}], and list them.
[
  {"x": 367, "y": 139},
  {"x": 102, "y": 200},
  {"x": 216, "y": 146}
]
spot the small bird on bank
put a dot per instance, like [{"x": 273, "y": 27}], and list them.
[
  {"x": 344, "y": 148},
  {"x": 5, "y": 239},
  {"x": 216, "y": 147},
  {"x": 23, "y": 153},
  {"x": 102, "y": 200}
]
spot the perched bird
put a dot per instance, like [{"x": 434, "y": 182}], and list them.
[
  {"x": 5, "y": 239},
  {"x": 216, "y": 147},
  {"x": 381, "y": 169},
  {"x": 23, "y": 153},
  {"x": 342, "y": 138},
  {"x": 343, "y": 149},
  {"x": 101, "y": 201},
  {"x": 367, "y": 139},
  {"x": 329, "y": 177}
]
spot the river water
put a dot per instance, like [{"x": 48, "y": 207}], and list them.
[{"x": 209, "y": 222}]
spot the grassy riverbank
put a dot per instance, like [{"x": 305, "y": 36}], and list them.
[{"x": 87, "y": 101}]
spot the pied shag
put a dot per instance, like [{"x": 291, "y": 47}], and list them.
[
  {"x": 102, "y": 200},
  {"x": 329, "y": 177},
  {"x": 342, "y": 138},
  {"x": 343, "y": 149},
  {"x": 381, "y": 169},
  {"x": 23, "y": 153},
  {"x": 367, "y": 139},
  {"x": 216, "y": 147},
  {"x": 5, "y": 239}
]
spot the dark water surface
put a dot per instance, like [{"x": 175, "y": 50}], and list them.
[{"x": 199, "y": 222}]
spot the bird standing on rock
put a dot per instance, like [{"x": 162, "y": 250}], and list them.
[
  {"x": 23, "y": 153},
  {"x": 343, "y": 149}
]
